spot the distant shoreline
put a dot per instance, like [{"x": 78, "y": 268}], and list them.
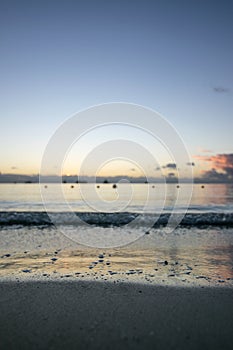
[{"x": 31, "y": 179}]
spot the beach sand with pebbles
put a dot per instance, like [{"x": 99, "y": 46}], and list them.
[{"x": 165, "y": 292}]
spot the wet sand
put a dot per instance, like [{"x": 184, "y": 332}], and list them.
[
  {"x": 187, "y": 257},
  {"x": 108, "y": 315}
]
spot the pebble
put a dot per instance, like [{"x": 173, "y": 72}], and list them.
[
  {"x": 205, "y": 277},
  {"x": 101, "y": 260},
  {"x": 26, "y": 270},
  {"x": 165, "y": 262},
  {"x": 54, "y": 259},
  {"x": 101, "y": 256},
  {"x": 6, "y": 256},
  {"x": 130, "y": 272}
]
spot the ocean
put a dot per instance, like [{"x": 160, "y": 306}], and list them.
[
  {"x": 217, "y": 198},
  {"x": 127, "y": 226}
]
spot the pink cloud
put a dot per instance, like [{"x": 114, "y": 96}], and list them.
[{"x": 222, "y": 162}]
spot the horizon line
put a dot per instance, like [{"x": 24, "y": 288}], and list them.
[{"x": 24, "y": 178}]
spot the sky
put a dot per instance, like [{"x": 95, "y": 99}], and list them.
[{"x": 60, "y": 57}]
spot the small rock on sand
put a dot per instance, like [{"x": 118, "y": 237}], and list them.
[
  {"x": 6, "y": 256},
  {"x": 54, "y": 259}
]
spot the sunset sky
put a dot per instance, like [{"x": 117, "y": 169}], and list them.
[{"x": 60, "y": 57}]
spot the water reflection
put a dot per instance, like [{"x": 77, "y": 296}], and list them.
[
  {"x": 185, "y": 257},
  {"x": 27, "y": 197}
]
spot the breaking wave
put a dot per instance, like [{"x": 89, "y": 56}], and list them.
[{"x": 113, "y": 219}]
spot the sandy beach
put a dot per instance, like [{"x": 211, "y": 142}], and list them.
[
  {"x": 107, "y": 315},
  {"x": 162, "y": 291}
]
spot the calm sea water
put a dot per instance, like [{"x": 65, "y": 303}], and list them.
[{"x": 128, "y": 198}]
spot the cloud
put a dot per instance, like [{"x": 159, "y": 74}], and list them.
[
  {"x": 220, "y": 89},
  {"x": 214, "y": 176},
  {"x": 204, "y": 150},
  {"x": 222, "y": 166},
  {"x": 223, "y": 162},
  {"x": 169, "y": 166}
]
